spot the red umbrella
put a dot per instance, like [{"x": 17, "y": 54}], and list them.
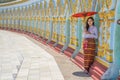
[{"x": 84, "y": 14}]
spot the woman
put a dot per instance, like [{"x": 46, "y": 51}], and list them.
[
  {"x": 90, "y": 29},
  {"x": 89, "y": 46}
]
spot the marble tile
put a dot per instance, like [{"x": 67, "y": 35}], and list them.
[{"x": 19, "y": 55}]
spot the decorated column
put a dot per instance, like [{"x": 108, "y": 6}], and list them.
[{"x": 113, "y": 71}]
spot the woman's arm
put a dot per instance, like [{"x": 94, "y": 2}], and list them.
[
  {"x": 86, "y": 32},
  {"x": 91, "y": 35},
  {"x": 95, "y": 34}
]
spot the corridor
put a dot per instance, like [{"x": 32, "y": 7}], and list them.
[{"x": 22, "y": 59}]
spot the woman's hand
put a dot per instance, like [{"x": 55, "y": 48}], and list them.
[{"x": 87, "y": 32}]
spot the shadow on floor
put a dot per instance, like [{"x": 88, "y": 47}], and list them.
[{"x": 80, "y": 74}]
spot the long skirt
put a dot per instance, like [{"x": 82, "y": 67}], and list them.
[{"x": 89, "y": 48}]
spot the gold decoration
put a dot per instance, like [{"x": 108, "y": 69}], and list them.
[
  {"x": 58, "y": 3},
  {"x": 51, "y": 5},
  {"x": 108, "y": 3},
  {"x": 105, "y": 20}
]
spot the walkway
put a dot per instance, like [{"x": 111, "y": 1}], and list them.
[{"x": 22, "y": 58}]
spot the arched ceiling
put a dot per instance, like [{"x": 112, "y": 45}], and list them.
[
  {"x": 11, "y": 2},
  {"x": 5, "y": 4},
  {"x": 5, "y": 1}
]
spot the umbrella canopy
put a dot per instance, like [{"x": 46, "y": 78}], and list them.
[{"x": 84, "y": 14}]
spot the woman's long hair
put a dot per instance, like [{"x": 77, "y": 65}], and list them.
[{"x": 87, "y": 25}]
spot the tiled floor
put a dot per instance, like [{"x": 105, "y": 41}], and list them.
[{"x": 22, "y": 59}]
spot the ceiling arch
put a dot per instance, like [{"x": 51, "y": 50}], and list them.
[
  {"x": 5, "y": 1},
  {"x": 11, "y": 2},
  {"x": 19, "y": 3}
]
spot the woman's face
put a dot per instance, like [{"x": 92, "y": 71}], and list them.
[{"x": 90, "y": 22}]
